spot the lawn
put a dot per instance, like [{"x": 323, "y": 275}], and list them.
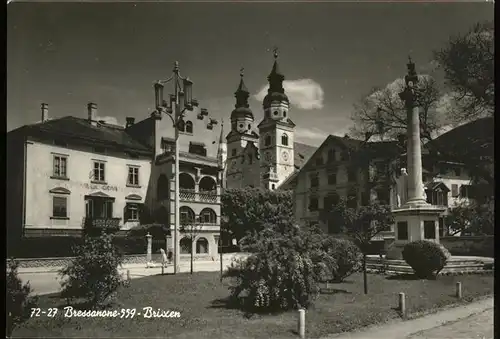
[{"x": 203, "y": 316}]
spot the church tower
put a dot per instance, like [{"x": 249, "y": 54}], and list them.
[
  {"x": 276, "y": 132},
  {"x": 243, "y": 166}
]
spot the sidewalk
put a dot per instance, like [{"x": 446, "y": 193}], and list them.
[{"x": 402, "y": 329}]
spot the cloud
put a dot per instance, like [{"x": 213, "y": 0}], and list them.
[{"x": 304, "y": 94}]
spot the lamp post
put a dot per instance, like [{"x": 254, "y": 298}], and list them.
[{"x": 180, "y": 101}]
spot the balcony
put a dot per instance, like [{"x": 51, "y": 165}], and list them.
[
  {"x": 107, "y": 224},
  {"x": 201, "y": 196}
]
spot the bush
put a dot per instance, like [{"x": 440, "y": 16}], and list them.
[
  {"x": 348, "y": 257},
  {"x": 93, "y": 273},
  {"x": 284, "y": 271},
  {"x": 426, "y": 258},
  {"x": 18, "y": 303}
]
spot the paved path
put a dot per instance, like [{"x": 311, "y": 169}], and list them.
[
  {"x": 48, "y": 282},
  {"x": 478, "y": 326},
  {"x": 467, "y": 321}
]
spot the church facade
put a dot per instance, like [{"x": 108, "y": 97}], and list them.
[{"x": 267, "y": 155}]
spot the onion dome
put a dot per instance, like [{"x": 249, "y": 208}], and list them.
[
  {"x": 276, "y": 92},
  {"x": 242, "y": 108}
]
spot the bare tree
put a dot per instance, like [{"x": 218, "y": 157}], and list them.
[
  {"x": 190, "y": 229},
  {"x": 468, "y": 65},
  {"x": 382, "y": 113}
]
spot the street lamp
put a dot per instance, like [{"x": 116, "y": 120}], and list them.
[{"x": 180, "y": 101}]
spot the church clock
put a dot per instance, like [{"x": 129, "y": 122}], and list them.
[{"x": 285, "y": 156}]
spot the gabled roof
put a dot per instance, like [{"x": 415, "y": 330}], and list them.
[
  {"x": 80, "y": 130},
  {"x": 302, "y": 153},
  {"x": 433, "y": 185}
]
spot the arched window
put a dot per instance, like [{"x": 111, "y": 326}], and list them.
[
  {"x": 284, "y": 114},
  {"x": 186, "y": 181},
  {"x": 186, "y": 245},
  {"x": 186, "y": 215},
  {"x": 207, "y": 184},
  {"x": 202, "y": 246},
  {"x": 181, "y": 126},
  {"x": 208, "y": 216},
  {"x": 273, "y": 186},
  {"x": 189, "y": 127},
  {"x": 267, "y": 140},
  {"x": 162, "y": 192},
  {"x": 284, "y": 139}
]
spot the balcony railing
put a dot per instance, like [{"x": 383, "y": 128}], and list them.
[
  {"x": 202, "y": 196},
  {"x": 102, "y": 223}
]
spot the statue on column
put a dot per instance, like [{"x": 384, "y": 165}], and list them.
[{"x": 402, "y": 188}]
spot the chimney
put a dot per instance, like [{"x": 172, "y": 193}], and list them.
[
  {"x": 92, "y": 109},
  {"x": 45, "y": 112},
  {"x": 130, "y": 122}
]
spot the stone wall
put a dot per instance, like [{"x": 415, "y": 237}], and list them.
[{"x": 473, "y": 245}]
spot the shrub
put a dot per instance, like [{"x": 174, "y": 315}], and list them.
[
  {"x": 19, "y": 302},
  {"x": 284, "y": 271},
  {"x": 93, "y": 273},
  {"x": 425, "y": 257},
  {"x": 348, "y": 257}
]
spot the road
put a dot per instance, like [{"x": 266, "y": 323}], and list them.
[
  {"x": 49, "y": 282},
  {"x": 478, "y": 326}
]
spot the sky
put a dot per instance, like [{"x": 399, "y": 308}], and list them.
[{"x": 332, "y": 54}]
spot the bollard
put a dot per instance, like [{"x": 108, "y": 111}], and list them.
[
  {"x": 128, "y": 274},
  {"x": 302, "y": 323},
  {"x": 402, "y": 304},
  {"x": 459, "y": 290}
]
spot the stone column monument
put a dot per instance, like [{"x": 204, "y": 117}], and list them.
[
  {"x": 149, "y": 238},
  {"x": 415, "y": 219}
]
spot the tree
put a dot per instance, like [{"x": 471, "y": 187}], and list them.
[
  {"x": 362, "y": 224},
  {"x": 381, "y": 113},
  {"x": 475, "y": 218},
  {"x": 93, "y": 272},
  {"x": 19, "y": 303},
  {"x": 284, "y": 270},
  {"x": 468, "y": 64},
  {"x": 246, "y": 210},
  {"x": 190, "y": 229}
]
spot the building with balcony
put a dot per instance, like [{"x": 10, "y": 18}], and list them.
[{"x": 70, "y": 173}]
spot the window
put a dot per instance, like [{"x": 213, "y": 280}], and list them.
[
  {"x": 133, "y": 176},
  {"x": 314, "y": 180},
  {"x": 331, "y": 155},
  {"x": 458, "y": 171},
  {"x": 332, "y": 178},
  {"x": 313, "y": 204},
  {"x": 96, "y": 207},
  {"x": 186, "y": 215},
  {"x": 383, "y": 196},
  {"x": 284, "y": 139},
  {"x": 202, "y": 246},
  {"x": 189, "y": 127},
  {"x": 351, "y": 175},
  {"x": 131, "y": 212},
  {"x": 249, "y": 127},
  {"x": 181, "y": 126},
  {"x": 241, "y": 126},
  {"x": 284, "y": 114},
  {"x": 99, "y": 167},
  {"x": 208, "y": 216},
  {"x": 465, "y": 191},
  {"x": 441, "y": 226},
  {"x": 402, "y": 228},
  {"x": 352, "y": 200},
  {"x": 275, "y": 113},
  {"x": 60, "y": 166},
  {"x": 429, "y": 229},
  {"x": 233, "y": 152},
  {"x": 267, "y": 140},
  {"x": 454, "y": 190},
  {"x": 186, "y": 245},
  {"x": 59, "y": 207},
  {"x": 273, "y": 186}
]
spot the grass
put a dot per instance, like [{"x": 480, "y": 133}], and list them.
[{"x": 199, "y": 299}]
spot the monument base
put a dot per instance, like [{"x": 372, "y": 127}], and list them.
[{"x": 414, "y": 221}]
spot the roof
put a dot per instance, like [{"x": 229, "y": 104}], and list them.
[
  {"x": 302, "y": 153},
  {"x": 69, "y": 127},
  {"x": 433, "y": 185}
]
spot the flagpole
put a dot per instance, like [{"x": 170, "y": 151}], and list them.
[{"x": 222, "y": 164}]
